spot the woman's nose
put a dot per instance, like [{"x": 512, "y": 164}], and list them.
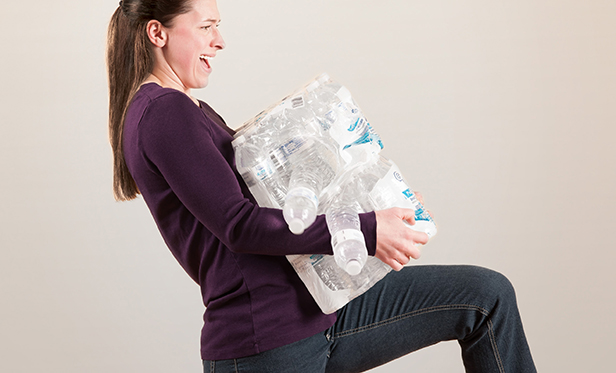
[{"x": 218, "y": 42}]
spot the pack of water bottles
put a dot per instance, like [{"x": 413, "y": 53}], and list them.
[{"x": 314, "y": 152}]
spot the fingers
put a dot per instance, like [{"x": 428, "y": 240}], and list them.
[
  {"x": 402, "y": 258},
  {"x": 407, "y": 215},
  {"x": 393, "y": 255},
  {"x": 396, "y": 243},
  {"x": 420, "y": 237},
  {"x": 395, "y": 265},
  {"x": 421, "y": 200},
  {"x": 398, "y": 254},
  {"x": 410, "y": 220},
  {"x": 414, "y": 252}
]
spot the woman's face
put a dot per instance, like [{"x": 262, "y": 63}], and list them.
[{"x": 193, "y": 39}]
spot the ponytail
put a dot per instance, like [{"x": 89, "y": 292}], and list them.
[{"x": 130, "y": 60}]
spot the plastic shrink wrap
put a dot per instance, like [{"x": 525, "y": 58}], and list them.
[{"x": 314, "y": 152}]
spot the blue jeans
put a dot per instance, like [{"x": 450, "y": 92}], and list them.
[{"x": 406, "y": 311}]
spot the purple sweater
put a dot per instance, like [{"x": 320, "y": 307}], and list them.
[{"x": 181, "y": 158}]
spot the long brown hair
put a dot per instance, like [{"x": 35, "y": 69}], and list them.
[{"x": 130, "y": 61}]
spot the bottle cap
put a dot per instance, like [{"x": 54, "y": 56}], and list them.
[
  {"x": 296, "y": 226},
  {"x": 353, "y": 267},
  {"x": 312, "y": 86},
  {"x": 344, "y": 95},
  {"x": 323, "y": 78},
  {"x": 239, "y": 140}
]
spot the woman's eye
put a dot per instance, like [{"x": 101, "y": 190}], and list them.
[{"x": 207, "y": 28}]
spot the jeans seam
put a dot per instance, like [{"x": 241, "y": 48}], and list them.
[
  {"x": 499, "y": 360},
  {"x": 212, "y": 366},
  {"x": 391, "y": 320},
  {"x": 422, "y": 311}
]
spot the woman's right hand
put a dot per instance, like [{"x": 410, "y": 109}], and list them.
[{"x": 395, "y": 241}]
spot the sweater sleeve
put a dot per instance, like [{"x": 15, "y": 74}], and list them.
[{"x": 175, "y": 136}]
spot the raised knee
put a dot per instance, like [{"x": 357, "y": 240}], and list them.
[{"x": 493, "y": 286}]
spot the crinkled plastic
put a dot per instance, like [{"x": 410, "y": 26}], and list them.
[{"x": 303, "y": 153}]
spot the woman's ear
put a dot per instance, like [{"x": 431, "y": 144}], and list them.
[{"x": 156, "y": 33}]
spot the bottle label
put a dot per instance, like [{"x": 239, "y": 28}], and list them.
[
  {"x": 297, "y": 102},
  {"x": 392, "y": 191},
  {"x": 315, "y": 259},
  {"x": 292, "y": 146},
  {"x": 262, "y": 170},
  {"x": 364, "y": 133},
  {"x": 352, "y": 128},
  {"x": 347, "y": 234},
  {"x": 306, "y": 193},
  {"x": 279, "y": 159},
  {"x": 420, "y": 212}
]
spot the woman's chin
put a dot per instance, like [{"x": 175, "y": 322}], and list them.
[{"x": 202, "y": 83}]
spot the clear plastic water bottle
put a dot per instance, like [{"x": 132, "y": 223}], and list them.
[
  {"x": 322, "y": 98},
  {"x": 342, "y": 121},
  {"x": 259, "y": 172},
  {"x": 348, "y": 241},
  {"x": 329, "y": 285},
  {"x": 376, "y": 185},
  {"x": 314, "y": 167},
  {"x": 328, "y": 271},
  {"x": 351, "y": 128},
  {"x": 300, "y": 209},
  {"x": 391, "y": 190},
  {"x": 299, "y": 112},
  {"x": 345, "y": 202}
]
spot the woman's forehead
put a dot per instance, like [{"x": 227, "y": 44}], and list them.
[{"x": 205, "y": 10}]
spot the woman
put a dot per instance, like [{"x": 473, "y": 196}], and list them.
[{"x": 176, "y": 152}]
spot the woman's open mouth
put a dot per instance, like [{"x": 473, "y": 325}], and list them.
[{"x": 206, "y": 60}]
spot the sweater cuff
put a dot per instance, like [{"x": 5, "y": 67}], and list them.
[{"x": 368, "y": 228}]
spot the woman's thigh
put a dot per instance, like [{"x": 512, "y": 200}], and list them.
[
  {"x": 411, "y": 309},
  {"x": 308, "y": 355},
  {"x": 408, "y": 310}
]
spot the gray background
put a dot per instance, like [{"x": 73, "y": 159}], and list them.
[{"x": 501, "y": 113}]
